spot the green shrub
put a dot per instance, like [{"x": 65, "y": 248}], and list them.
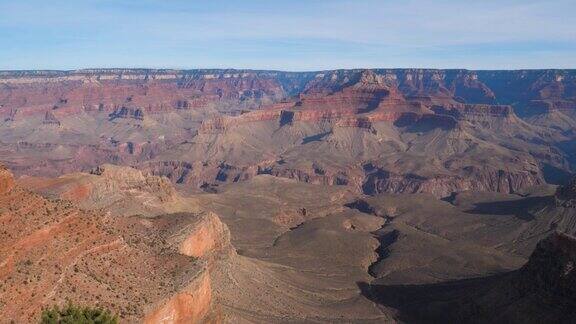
[{"x": 72, "y": 314}]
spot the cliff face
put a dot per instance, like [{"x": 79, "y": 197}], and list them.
[
  {"x": 208, "y": 237},
  {"x": 158, "y": 90},
  {"x": 358, "y": 99},
  {"x": 551, "y": 267},
  {"x": 134, "y": 92},
  {"x": 193, "y": 305},
  {"x": 442, "y": 186}
]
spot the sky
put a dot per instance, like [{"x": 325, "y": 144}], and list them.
[{"x": 290, "y": 35}]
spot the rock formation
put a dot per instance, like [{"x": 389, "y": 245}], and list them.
[
  {"x": 566, "y": 195},
  {"x": 551, "y": 267},
  {"x": 143, "y": 269},
  {"x": 50, "y": 119},
  {"x": 6, "y": 180},
  {"x": 127, "y": 113},
  {"x": 473, "y": 130},
  {"x": 121, "y": 190},
  {"x": 326, "y": 180}
]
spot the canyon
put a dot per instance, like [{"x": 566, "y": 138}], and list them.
[
  {"x": 243, "y": 196},
  {"x": 400, "y": 131}
]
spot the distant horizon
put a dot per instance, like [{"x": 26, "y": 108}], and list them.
[
  {"x": 297, "y": 35},
  {"x": 276, "y": 70}
]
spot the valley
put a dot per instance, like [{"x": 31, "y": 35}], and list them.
[{"x": 242, "y": 196}]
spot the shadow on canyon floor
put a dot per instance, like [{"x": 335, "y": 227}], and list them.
[
  {"x": 520, "y": 208},
  {"x": 446, "y": 302}
]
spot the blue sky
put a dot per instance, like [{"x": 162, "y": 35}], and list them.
[{"x": 287, "y": 35}]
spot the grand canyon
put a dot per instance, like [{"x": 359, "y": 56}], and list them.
[{"x": 260, "y": 196}]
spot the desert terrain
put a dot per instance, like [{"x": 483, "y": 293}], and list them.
[{"x": 244, "y": 196}]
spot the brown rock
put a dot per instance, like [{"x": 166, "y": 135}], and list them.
[{"x": 6, "y": 180}]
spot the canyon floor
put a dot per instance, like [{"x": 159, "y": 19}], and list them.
[{"x": 270, "y": 249}]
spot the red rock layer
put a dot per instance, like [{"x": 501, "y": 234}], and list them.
[{"x": 111, "y": 91}]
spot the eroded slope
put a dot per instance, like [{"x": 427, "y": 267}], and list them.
[{"x": 142, "y": 269}]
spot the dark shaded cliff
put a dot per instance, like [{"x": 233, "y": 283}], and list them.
[{"x": 542, "y": 291}]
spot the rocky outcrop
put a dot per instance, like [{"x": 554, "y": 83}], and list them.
[
  {"x": 472, "y": 112},
  {"x": 6, "y": 180},
  {"x": 126, "y": 264},
  {"x": 566, "y": 195},
  {"x": 114, "y": 180},
  {"x": 312, "y": 174},
  {"x": 356, "y": 122},
  {"x": 355, "y": 101},
  {"x": 223, "y": 123},
  {"x": 193, "y": 305},
  {"x": 50, "y": 119},
  {"x": 291, "y": 218},
  {"x": 206, "y": 238},
  {"x": 381, "y": 181},
  {"x": 124, "y": 191},
  {"x": 199, "y": 174},
  {"x": 199, "y": 235},
  {"x": 551, "y": 268},
  {"x": 127, "y": 113},
  {"x": 361, "y": 92},
  {"x": 370, "y": 180},
  {"x": 337, "y": 116}
]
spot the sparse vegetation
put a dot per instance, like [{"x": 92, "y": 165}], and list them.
[{"x": 72, "y": 314}]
